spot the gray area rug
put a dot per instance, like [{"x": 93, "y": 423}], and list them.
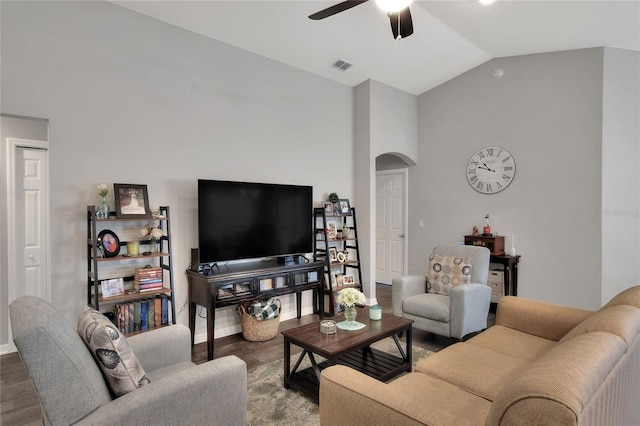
[{"x": 270, "y": 403}]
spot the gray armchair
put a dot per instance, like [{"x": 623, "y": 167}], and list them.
[
  {"x": 72, "y": 389},
  {"x": 464, "y": 311}
]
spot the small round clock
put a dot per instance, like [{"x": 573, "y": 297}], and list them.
[{"x": 491, "y": 169}]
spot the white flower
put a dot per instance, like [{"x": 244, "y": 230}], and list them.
[
  {"x": 151, "y": 231},
  {"x": 103, "y": 190},
  {"x": 351, "y": 296}
]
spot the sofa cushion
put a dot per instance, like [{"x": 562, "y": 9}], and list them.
[
  {"x": 111, "y": 351},
  {"x": 513, "y": 342},
  {"x": 428, "y": 305},
  {"x": 475, "y": 369},
  {"x": 621, "y": 320},
  {"x": 446, "y": 272}
]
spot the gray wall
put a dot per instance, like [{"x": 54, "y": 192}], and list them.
[
  {"x": 134, "y": 100},
  {"x": 546, "y": 110},
  {"x": 620, "y": 171}
]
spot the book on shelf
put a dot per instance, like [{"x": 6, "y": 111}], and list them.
[
  {"x": 151, "y": 311},
  {"x": 136, "y": 316},
  {"x": 130, "y": 317},
  {"x": 165, "y": 310},
  {"x": 157, "y": 311},
  {"x": 144, "y": 318}
]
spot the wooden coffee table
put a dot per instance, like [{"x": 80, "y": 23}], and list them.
[{"x": 350, "y": 348}]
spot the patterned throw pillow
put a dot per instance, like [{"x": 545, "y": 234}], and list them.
[
  {"x": 446, "y": 272},
  {"x": 114, "y": 356}
]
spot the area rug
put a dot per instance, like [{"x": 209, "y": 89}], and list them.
[{"x": 270, "y": 403}]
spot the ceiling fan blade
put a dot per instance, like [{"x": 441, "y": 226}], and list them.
[
  {"x": 336, "y": 8},
  {"x": 401, "y": 23}
]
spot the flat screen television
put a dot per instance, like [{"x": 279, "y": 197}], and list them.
[{"x": 245, "y": 220}]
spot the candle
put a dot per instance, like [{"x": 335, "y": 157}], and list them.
[
  {"x": 133, "y": 248},
  {"x": 375, "y": 312}
]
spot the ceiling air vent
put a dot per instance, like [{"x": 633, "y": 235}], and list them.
[{"x": 343, "y": 65}]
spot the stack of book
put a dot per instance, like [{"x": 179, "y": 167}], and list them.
[
  {"x": 142, "y": 314},
  {"x": 149, "y": 278}
]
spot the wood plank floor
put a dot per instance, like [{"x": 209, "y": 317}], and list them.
[{"x": 19, "y": 404}]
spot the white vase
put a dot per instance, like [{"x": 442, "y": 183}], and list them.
[{"x": 512, "y": 249}]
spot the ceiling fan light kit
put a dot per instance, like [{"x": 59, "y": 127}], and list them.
[
  {"x": 397, "y": 10},
  {"x": 393, "y": 5}
]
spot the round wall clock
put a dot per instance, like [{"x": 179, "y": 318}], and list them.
[{"x": 491, "y": 169}]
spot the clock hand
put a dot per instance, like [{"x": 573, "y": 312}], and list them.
[{"x": 487, "y": 167}]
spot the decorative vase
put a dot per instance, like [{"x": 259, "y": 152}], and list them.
[
  {"x": 512, "y": 250},
  {"x": 153, "y": 246},
  {"x": 102, "y": 209},
  {"x": 350, "y": 313}
]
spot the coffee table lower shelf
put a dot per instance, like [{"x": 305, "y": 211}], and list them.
[{"x": 370, "y": 361}]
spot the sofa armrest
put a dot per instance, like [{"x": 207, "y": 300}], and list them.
[
  {"x": 403, "y": 287},
  {"x": 348, "y": 397},
  {"x": 541, "y": 319},
  {"x": 162, "y": 347},
  {"x": 214, "y": 392},
  {"x": 469, "y": 308}
]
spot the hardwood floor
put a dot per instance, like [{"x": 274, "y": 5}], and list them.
[{"x": 19, "y": 404}]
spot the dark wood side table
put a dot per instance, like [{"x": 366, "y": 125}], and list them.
[
  {"x": 510, "y": 264},
  {"x": 350, "y": 348}
]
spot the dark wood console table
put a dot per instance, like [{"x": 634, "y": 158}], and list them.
[
  {"x": 238, "y": 283},
  {"x": 510, "y": 264}
]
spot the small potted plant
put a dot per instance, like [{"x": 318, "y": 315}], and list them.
[{"x": 333, "y": 197}]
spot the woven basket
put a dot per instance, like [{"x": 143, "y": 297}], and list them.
[{"x": 254, "y": 330}]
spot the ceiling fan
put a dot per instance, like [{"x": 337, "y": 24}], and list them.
[{"x": 397, "y": 10}]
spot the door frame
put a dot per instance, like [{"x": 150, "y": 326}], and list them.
[
  {"x": 405, "y": 219},
  {"x": 12, "y": 146}
]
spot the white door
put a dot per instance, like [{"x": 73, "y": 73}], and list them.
[
  {"x": 391, "y": 189},
  {"x": 31, "y": 222}
]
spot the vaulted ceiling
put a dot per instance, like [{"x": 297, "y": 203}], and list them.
[{"x": 450, "y": 37}]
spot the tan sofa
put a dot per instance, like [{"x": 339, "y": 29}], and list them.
[{"x": 541, "y": 364}]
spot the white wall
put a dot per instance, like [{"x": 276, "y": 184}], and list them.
[
  {"x": 134, "y": 100},
  {"x": 547, "y": 111},
  {"x": 620, "y": 171}
]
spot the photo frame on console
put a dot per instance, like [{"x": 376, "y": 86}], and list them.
[
  {"x": 132, "y": 201},
  {"x": 328, "y": 208}
]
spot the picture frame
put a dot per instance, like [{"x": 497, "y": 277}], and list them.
[
  {"x": 112, "y": 287},
  {"x": 348, "y": 280},
  {"x": 333, "y": 254},
  {"x": 344, "y": 206},
  {"x": 132, "y": 201},
  {"x": 328, "y": 208},
  {"x": 108, "y": 243},
  {"x": 332, "y": 229}
]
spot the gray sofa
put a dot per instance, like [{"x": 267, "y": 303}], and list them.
[{"x": 72, "y": 389}]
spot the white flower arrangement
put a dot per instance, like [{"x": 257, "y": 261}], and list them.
[
  {"x": 103, "y": 190},
  {"x": 151, "y": 231},
  {"x": 350, "y": 297}
]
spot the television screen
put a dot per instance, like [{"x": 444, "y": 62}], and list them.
[{"x": 243, "y": 220}]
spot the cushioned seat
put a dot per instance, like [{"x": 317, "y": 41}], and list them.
[
  {"x": 453, "y": 299},
  {"x": 72, "y": 390}
]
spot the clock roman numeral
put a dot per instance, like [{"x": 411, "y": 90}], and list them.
[
  {"x": 473, "y": 178},
  {"x": 508, "y": 168},
  {"x": 490, "y": 152},
  {"x": 506, "y": 159},
  {"x": 481, "y": 155},
  {"x": 480, "y": 185},
  {"x": 498, "y": 185},
  {"x": 506, "y": 177},
  {"x": 471, "y": 171},
  {"x": 489, "y": 188}
]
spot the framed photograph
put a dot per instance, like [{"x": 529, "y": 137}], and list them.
[
  {"x": 108, "y": 243},
  {"x": 344, "y": 206},
  {"x": 328, "y": 208},
  {"x": 132, "y": 201},
  {"x": 348, "y": 280},
  {"x": 333, "y": 254},
  {"x": 332, "y": 229},
  {"x": 112, "y": 287}
]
